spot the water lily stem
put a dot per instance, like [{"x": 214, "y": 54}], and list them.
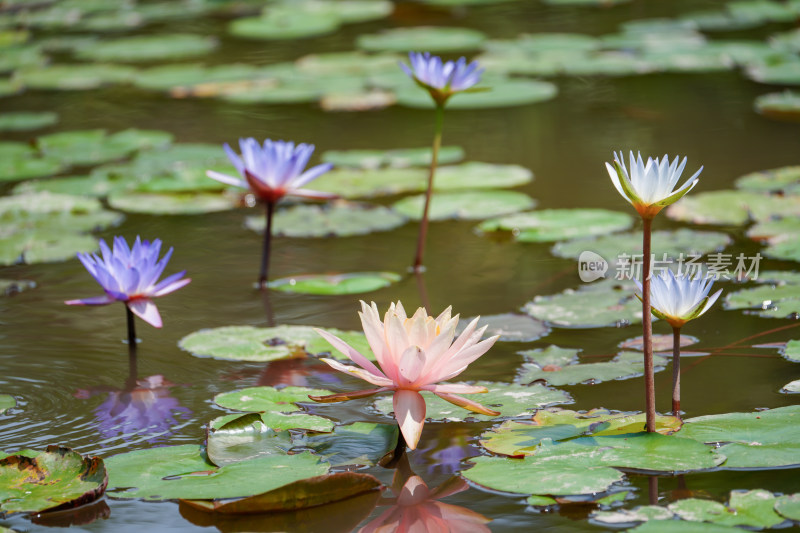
[
  {"x": 423, "y": 225},
  {"x": 676, "y": 371},
  {"x": 647, "y": 330},
  {"x": 131, "y": 330},
  {"x": 652, "y": 490},
  {"x": 264, "y": 276}
]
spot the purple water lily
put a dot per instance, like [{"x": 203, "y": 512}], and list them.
[
  {"x": 271, "y": 172},
  {"x": 442, "y": 79},
  {"x": 130, "y": 275}
]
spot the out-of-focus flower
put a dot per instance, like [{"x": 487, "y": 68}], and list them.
[
  {"x": 130, "y": 275},
  {"x": 273, "y": 170},
  {"x": 442, "y": 79},
  {"x": 416, "y": 509},
  {"x": 414, "y": 354},
  {"x": 679, "y": 299},
  {"x": 650, "y": 187}
]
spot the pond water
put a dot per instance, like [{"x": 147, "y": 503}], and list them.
[{"x": 66, "y": 366}]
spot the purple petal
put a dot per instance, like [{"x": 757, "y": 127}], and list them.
[
  {"x": 311, "y": 174},
  {"x": 96, "y": 300},
  {"x": 146, "y": 310},
  {"x": 172, "y": 287},
  {"x": 166, "y": 282},
  {"x": 227, "y": 180}
]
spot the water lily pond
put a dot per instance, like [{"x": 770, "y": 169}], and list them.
[{"x": 113, "y": 115}]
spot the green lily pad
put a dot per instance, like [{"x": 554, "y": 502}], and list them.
[
  {"x": 550, "y": 225},
  {"x": 793, "y": 387},
  {"x": 783, "y": 179},
  {"x": 475, "y": 175},
  {"x": 259, "y": 399},
  {"x": 590, "y": 3},
  {"x": 337, "y": 219},
  {"x": 510, "y": 327},
  {"x": 171, "y": 204},
  {"x": 19, "y": 161},
  {"x": 529, "y": 475},
  {"x": 355, "y": 183},
  {"x": 148, "y": 48},
  {"x": 788, "y": 505},
  {"x": 90, "y": 147},
  {"x": 506, "y": 93},
  {"x": 764, "y": 439},
  {"x": 21, "y": 56},
  {"x": 601, "y": 304},
  {"x": 784, "y": 73},
  {"x": 509, "y": 399},
  {"x": 683, "y": 242},
  {"x": 518, "y": 438},
  {"x": 782, "y": 105},
  {"x": 355, "y": 283},
  {"x": 359, "y": 443},
  {"x": 465, "y": 205},
  {"x": 354, "y": 62},
  {"x": 247, "y": 343},
  {"x": 75, "y": 77},
  {"x": 792, "y": 351},
  {"x": 7, "y": 402},
  {"x": 677, "y": 526},
  {"x": 732, "y": 207},
  {"x": 356, "y": 100},
  {"x": 55, "y": 478},
  {"x": 752, "y": 508},
  {"x": 284, "y": 23},
  {"x": 27, "y": 120},
  {"x": 626, "y": 365},
  {"x": 274, "y": 420},
  {"x": 631, "y": 516},
  {"x": 432, "y": 39},
  {"x": 180, "y": 77},
  {"x": 72, "y": 185},
  {"x": 396, "y": 158},
  {"x": 174, "y": 472},
  {"x": 235, "y": 438},
  {"x": 610, "y": 63},
  {"x": 779, "y": 300},
  {"x": 42, "y": 227}
]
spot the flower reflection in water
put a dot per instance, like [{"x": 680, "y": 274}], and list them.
[
  {"x": 146, "y": 407},
  {"x": 416, "y": 508}
]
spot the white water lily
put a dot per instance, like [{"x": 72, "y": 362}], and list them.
[
  {"x": 679, "y": 299},
  {"x": 650, "y": 186}
]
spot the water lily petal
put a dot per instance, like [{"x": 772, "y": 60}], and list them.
[
  {"x": 226, "y": 179},
  {"x": 353, "y": 354},
  {"x": 409, "y": 410},
  {"x": 473, "y": 406},
  {"x": 145, "y": 309},
  {"x": 360, "y": 373},
  {"x": 97, "y": 300}
]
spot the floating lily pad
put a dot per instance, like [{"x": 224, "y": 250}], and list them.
[
  {"x": 27, "y": 120},
  {"x": 615, "y": 248},
  {"x": 284, "y": 23},
  {"x": 247, "y": 343},
  {"x": 591, "y": 3},
  {"x": 274, "y": 420},
  {"x": 397, "y": 158},
  {"x": 507, "y": 93},
  {"x": 631, "y": 516},
  {"x": 338, "y": 219},
  {"x": 468, "y": 205},
  {"x": 21, "y": 56},
  {"x": 792, "y": 387},
  {"x": 355, "y": 283},
  {"x": 183, "y": 79},
  {"x": 75, "y": 77},
  {"x": 90, "y": 147},
  {"x": 357, "y": 100},
  {"x": 590, "y": 306},
  {"x": 792, "y": 351},
  {"x": 550, "y": 225},
  {"x": 475, "y": 175},
  {"x": 259, "y": 399},
  {"x": 511, "y": 400},
  {"x": 148, "y": 48},
  {"x": 732, "y": 207},
  {"x": 19, "y": 161},
  {"x": 764, "y": 439},
  {"x": 788, "y": 505},
  {"x": 55, "y": 478},
  {"x": 174, "y": 472},
  {"x": 677, "y": 526},
  {"x": 510, "y": 327},
  {"x": 42, "y": 227},
  {"x": 783, "y": 179},
  {"x": 354, "y": 183},
  {"x": 7, "y": 402},
  {"x": 428, "y": 38},
  {"x": 354, "y": 62},
  {"x": 752, "y": 508},
  {"x": 517, "y": 438},
  {"x": 611, "y": 63},
  {"x": 302, "y": 494},
  {"x": 626, "y": 365},
  {"x": 783, "y": 105},
  {"x": 780, "y": 300},
  {"x": 235, "y": 438},
  {"x": 359, "y": 443},
  {"x": 171, "y": 204}
]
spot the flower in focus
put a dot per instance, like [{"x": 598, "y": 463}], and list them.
[
  {"x": 679, "y": 299},
  {"x": 273, "y": 170},
  {"x": 649, "y": 187},
  {"x": 416, "y": 509},
  {"x": 130, "y": 275},
  {"x": 442, "y": 79},
  {"x": 414, "y": 354}
]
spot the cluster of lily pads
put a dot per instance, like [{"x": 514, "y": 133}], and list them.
[{"x": 550, "y": 456}]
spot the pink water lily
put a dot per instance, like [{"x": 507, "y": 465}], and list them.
[{"x": 414, "y": 354}]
